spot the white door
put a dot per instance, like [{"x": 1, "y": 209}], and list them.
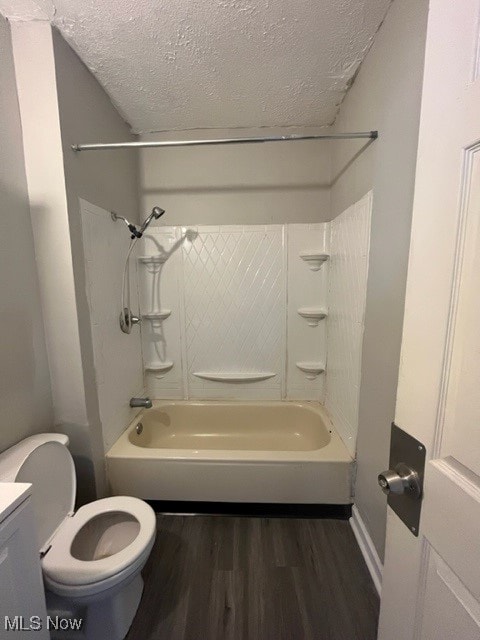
[{"x": 431, "y": 584}]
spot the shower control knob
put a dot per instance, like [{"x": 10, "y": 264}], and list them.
[{"x": 402, "y": 480}]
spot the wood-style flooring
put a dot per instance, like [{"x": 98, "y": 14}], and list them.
[{"x": 240, "y": 578}]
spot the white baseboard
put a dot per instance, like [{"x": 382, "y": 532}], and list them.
[{"x": 367, "y": 548}]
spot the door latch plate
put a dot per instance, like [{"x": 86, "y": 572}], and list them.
[{"x": 407, "y": 450}]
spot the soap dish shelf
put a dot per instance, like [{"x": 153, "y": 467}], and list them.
[
  {"x": 314, "y": 259},
  {"x": 158, "y": 367},
  {"x": 158, "y": 259},
  {"x": 163, "y": 314},
  {"x": 311, "y": 369},
  {"x": 234, "y": 377},
  {"x": 312, "y": 315}
]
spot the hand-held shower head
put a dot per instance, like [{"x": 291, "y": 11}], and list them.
[{"x": 157, "y": 212}]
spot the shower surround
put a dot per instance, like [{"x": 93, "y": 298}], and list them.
[
  {"x": 222, "y": 312},
  {"x": 257, "y": 313}
]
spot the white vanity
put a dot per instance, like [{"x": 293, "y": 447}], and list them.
[{"x": 22, "y": 598}]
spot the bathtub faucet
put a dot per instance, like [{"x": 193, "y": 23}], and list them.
[{"x": 146, "y": 403}]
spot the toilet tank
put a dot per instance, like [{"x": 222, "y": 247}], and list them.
[{"x": 44, "y": 461}]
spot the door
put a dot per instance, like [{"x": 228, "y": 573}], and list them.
[{"x": 431, "y": 584}]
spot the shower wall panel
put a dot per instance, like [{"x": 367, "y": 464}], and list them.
[
  {"x": 234, "y": 287},
  {"x": 220, "y": 311},
  {"x": 307, "y": 292},
  {"x": 349, "y": 248},
  {"x": 117, "y": 357}
]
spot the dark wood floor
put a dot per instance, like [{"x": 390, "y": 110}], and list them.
[{"x": 234, "y": 578}]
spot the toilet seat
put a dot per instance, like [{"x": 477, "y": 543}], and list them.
[
  {"x": 61, "y": 568},
  {"x": 79, "y": 592}
]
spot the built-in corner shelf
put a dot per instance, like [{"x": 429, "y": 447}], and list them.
[
  {"x": 158, "y": 259},
  {"x": 314, "y": 259},
  {"x": 312, "y": 315},
  {"x": 311, "y": 369},
  {"x": 163, "y": 314},
  {"x": 159, "y": 367},
  {"x": 234, "y": 377}
]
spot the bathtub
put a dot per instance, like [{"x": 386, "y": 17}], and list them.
[{"x": 264, "y": 452}]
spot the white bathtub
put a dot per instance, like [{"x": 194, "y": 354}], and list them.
[{"x": 265, "y": 452}]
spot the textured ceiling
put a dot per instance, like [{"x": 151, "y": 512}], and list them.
[{"x": 184, "y": 64}]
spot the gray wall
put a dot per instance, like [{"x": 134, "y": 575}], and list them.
[
  {"x": 108, "y": 180},
  {"x": 386, "y": 96},
  {"x": 242, "y": 184},
  {"x": 25, "y": 395}
]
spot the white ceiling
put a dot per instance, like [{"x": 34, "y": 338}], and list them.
[{"x": 188, "y": 64}]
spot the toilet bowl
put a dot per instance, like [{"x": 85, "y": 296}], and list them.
[{"x": 91, "y": 559}]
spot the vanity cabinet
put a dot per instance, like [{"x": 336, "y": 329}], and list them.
[{"x": 22, "y": 597}]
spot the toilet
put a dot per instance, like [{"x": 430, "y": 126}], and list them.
[{"x": 92, "y": 558}]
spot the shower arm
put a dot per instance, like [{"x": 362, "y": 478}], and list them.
[
  {"x": 157, "y": 213},
  {"x": 131, "y": 227}
]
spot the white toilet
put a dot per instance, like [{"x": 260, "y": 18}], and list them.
[{"x": 91, "y": 559}]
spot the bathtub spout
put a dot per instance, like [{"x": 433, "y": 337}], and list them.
[{"x": 146, "y": 403}]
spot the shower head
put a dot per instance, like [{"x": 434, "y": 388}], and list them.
[
  {"x": 157, "y": 212},
  {"x": 155, "y": 215}
]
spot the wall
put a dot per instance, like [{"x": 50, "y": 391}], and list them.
[
  {"x": 60, "y": 103},
  {"x": 273, "y": 183},
  {"x": 385, "y": 96},
  {"x": 35, "y": 73},
  {"x": 25, "y": 395},
  {"x": 231, "y": 307},
  {"x": 108, "y": 180},
  {"x": 347, "y": 288}
]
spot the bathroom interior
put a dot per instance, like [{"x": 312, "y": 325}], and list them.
[{"x": 207, "y": 211}]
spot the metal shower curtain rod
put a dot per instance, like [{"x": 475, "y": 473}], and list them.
[{"x": 103, "y": 146}]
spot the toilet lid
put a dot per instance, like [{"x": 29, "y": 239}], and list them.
[
  {"x": 61, "y": 567},
  {"x": 50, "y": 470}
]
